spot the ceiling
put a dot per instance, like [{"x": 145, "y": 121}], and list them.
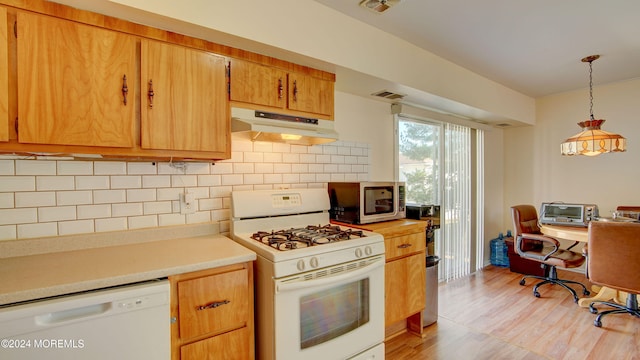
[{"x": 533, "y": 47}]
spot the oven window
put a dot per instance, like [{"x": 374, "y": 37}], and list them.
[
  {"x": 378, "y": 200},
  {"x": 330, "y": 313}
]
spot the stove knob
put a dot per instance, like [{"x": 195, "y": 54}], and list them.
[
  {"x": 314, "y": 262},
  {"x": 301, "y": 265},
  {"x": 358, "y": 253},
  {"x": 368, "y": 251}
]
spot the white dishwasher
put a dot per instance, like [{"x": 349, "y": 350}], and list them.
[{"x": 126, "y": 322}]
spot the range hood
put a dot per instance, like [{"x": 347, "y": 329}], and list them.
[{"x": 257, "y": 125}]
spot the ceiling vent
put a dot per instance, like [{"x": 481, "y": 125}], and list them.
[
  {"x": 388, "y": 95},
  {"x": 503, "y": 125},
  {"x": 378, "y": 6}
]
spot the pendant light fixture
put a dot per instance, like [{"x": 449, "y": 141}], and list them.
[{"x": 592, "y": 141}]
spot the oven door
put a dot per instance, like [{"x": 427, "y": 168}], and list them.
[{"x": 333, "y": 313}]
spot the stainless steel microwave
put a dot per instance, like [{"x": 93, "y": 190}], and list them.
[{"x": 366, "y": 202}]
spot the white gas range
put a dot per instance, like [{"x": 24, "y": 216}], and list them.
[{"x": 319, "y": 287}]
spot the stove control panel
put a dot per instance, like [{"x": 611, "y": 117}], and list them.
[{"x": 285, "y": 200}]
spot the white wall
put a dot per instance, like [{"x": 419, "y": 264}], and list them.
[{"x": 535, "y": 171}]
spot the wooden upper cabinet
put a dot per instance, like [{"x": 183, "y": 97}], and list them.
[
  {"x": 4, "y": 77},
  {"x": 184, "y": 104},
  {"x": 262, "y": 85},
  {"x": 71, "y": 82},
  {"x": 310, "y": 94},
  {"x": 258, "y": 84}
]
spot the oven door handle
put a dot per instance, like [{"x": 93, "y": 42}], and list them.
[{"x": 304, "y": 284}]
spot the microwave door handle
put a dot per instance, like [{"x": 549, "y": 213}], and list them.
[{"x": 282, "y": 287}]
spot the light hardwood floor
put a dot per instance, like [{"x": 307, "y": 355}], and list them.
[{"x": 488, "y": 315}]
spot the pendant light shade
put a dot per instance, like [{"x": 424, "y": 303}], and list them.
[{"x": 592, "y": 140}]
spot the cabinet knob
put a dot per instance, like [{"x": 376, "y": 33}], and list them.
[
  {"x": 280, "y": 89},
  {"x": 404, "y": 246},
  {"x": 295, "y": 90}
]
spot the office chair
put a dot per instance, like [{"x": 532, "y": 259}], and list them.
[
  {"x": 532, "y": 244},
  {"x": 614, "y": 250}
]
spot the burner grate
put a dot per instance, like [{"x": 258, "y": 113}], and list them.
[{"x": 311, "y": 235}]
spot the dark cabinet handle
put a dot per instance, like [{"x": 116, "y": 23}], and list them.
[
  {"x": 295, "y": 90},
  {"x": 404, "y": 246},
  {"x": 280, "y": 89},
  {"x": 125, "y": 89},
  {"x": 213, "y": 305},
  {"x": 150, "y": 93}
]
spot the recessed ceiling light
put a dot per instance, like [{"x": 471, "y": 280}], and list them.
[{"x": 378, "y": 6}]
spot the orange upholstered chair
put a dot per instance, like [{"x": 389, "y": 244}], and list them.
[
  {"x": 614, "y": 262},
  {"x": 530, "y": 243}
]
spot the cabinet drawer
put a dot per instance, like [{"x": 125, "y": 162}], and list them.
[
  {"x": 233, "y": 345},
  {"x": 214, "y": 303},
  {"x": 404, "y": 245}
]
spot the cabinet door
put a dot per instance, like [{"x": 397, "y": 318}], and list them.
[
  {"x": 404, "y": 287},
  {"x": 4, "y": 77},
  {"x": 257, "y": 84},
  {"x": 310, "y": 94},
  {"x": 233, "y": 345},
  {"x": 70, "y": 83},
  {"x": 213, "y": 304},
  {"x": 184, "y": 102}
]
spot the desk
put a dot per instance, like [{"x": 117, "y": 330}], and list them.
[{"x": 581, "y": 234}]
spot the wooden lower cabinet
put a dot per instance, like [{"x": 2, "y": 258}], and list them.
[
  {"x": 212, "y": 314},
  {"x": 405, "y": 273}
]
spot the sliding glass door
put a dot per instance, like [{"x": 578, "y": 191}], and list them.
[{"x": 442, "y": 165}]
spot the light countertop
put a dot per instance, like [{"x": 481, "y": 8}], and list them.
[{"x": 43, "y": 275}]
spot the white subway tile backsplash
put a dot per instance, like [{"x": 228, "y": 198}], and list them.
[
  {"x": 110, "y": 168},
  {"x": 18, "y": 216},
  {"x": 138, "y": 222},
  {"x": 32, "y": 167},
  {"x": 109, "y": 196},
  {"x": 75, "y": 167},
  {"x": 53, "y": 196},
  {"x": 111, "y": 224},
  {"x": 126, "y": 182},
  {"x": 171, "y": 219},
  {"x": 141, "y": 195},
  {"x": 44, "y": 183},
  {"x": 235, "y": 179},
  {"x": 56, "y": 213},
  {"x": 7, "y": 200},
  {"x": 7, "y": 167},
  {"x": 141, "y": 168},
  {"x": 130, "y": 209},
  {"x": 35, "y": 199},
  {"x": 222, "y": 168},
  {"x": 243, "y": 168},
  {"x": 74, "y": 197},
  {"x": 157, "y": 207},
  {"x": 92, "y": 182},
  {"x": 169, "y": 194},
  {"x": 208, "y": 180},
  {"x": 94, "y": 211},
  {"x": 75, "y": 227},
  {"x": 17, "y": 183},
  {"x": 37, "y": 230},
  {"x": 8, "y": 232}
]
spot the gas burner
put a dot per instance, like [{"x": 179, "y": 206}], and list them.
[{"x": 311, "y": 235}]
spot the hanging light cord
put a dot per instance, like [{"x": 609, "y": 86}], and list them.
[{"x": 591, "y": 89}]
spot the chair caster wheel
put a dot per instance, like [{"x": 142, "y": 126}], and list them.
[
  {"x": 597, "y": 323},
  {"x": 536, "y": 294},
  {"x": 522, "y": 282}
]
